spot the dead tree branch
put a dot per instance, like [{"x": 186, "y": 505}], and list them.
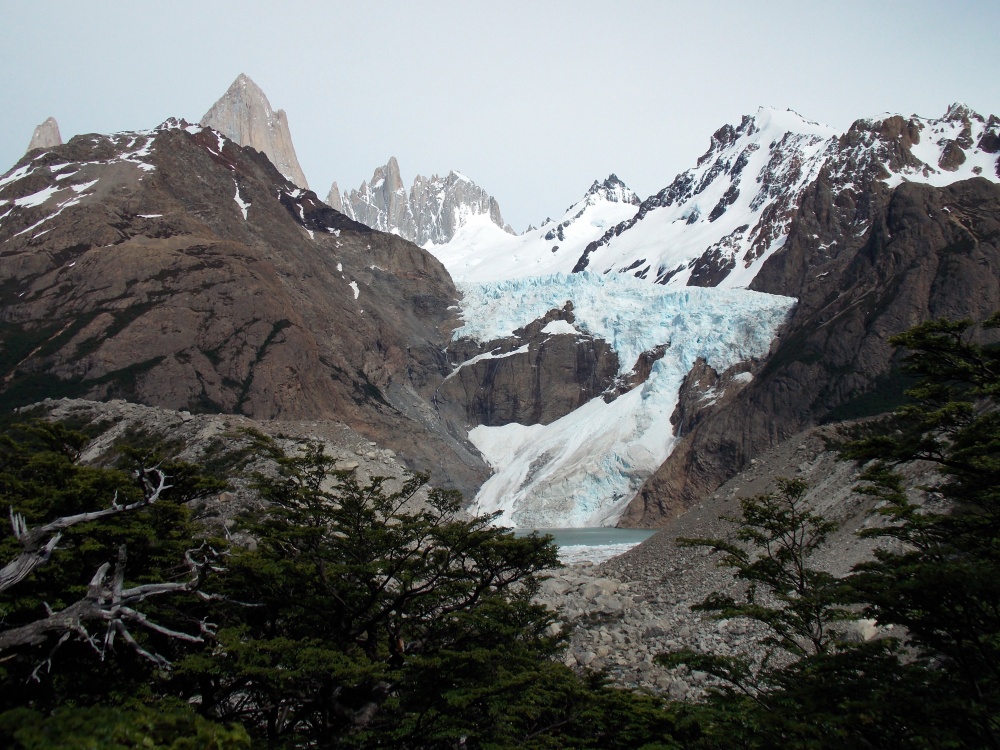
[{"x": 39, "y": 543}]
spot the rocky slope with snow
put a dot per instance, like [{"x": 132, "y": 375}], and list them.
[
  {"x": 431, "y": 212},
  {"x": 175, "y": 268},
  {"x": 244, "y": 116},
  {"x": 480, "y": 252}
]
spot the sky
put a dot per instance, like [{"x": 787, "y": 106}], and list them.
[{"x": 531, "y": 100}]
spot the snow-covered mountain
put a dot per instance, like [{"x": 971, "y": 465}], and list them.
[
  {"x": 433, "y": 210},
  {"x": 716, "y": 225},
  {"x": 480, "y": 251},
  {"x": 244, "y": 116}
]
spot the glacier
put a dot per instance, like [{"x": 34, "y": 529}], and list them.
[{"x": 581, "y": 470}]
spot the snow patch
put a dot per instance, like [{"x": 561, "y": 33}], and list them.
[
  {"x": 557, "y": 327},
  {"x": 240, "y": 202},
  {"x": 354, "y": 286},
  {"x": 487, "y": 355},
  {"x": 16, "y": 175},
  {"x": 37, "y": 199}
]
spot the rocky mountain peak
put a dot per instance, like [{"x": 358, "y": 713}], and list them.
[
  {"x": 333, "y": 199},
  {"x": 244, "y": 115},
  {"x": 389, "y": 173},
  {"x": 614, "y": 191},
  {"x": 961, "y": 112},
  {"x": 46, "y": 135},
  {"x": 431, "y": 212}
]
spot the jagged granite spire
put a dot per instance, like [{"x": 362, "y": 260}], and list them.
[
  {"x": 333, "y": 199},
  {"x": 244, "y": 115},
  {"x": 431, "y": 212},
  {"x": 46, "y": 135}
]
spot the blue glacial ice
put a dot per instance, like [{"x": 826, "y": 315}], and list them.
[{"x": 583, "y": 469}]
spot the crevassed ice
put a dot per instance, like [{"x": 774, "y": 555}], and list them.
[
  {"x": 632, "y": 315},
  {"x": 582, "y": 469}
]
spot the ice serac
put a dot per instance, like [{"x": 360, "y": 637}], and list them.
[
  {"x": 583, "y": 468},
  {"x": 46, "y": 135},
  {"x": 244, "y": 115},
  {"x": 431, "y": 212}
]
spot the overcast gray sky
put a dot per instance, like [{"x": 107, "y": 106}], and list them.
[{"x": 531, "y": 100}]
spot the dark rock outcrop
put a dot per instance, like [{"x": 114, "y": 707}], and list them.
[{"x": 530, "y": 378}]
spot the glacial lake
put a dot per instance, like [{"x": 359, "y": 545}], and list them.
[{"x": 591, "y": 544}]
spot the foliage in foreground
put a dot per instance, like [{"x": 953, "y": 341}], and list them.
[
  {"x": 359, "y": 617},
  {"x": 932, "y": 680}
]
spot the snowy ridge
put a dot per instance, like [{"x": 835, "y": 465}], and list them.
[
  {"x": 583, "y": 468},
  {"x": 958, "y": 146},
  {"x": 481, "y": 252},
  {"x": 718, "y": 222}
]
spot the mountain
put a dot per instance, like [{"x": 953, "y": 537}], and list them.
[
  {"x": 244, "y": 116},
  {"x": 853, "y": 237},
  {"x": 719, "y": 222},
  {"x": 479, "y": 251},
  {"x": 174, "y": 268},
  {"x": 46, "y": 135},
  {"x": 901, "y": 225},
  {"x": 431, "y": 212},
  {"x": 612, "y": 366}
]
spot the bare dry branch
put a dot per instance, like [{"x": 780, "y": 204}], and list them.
[
  {"x": 109, "y": 602},
  {"x": 38, "y": 544}
]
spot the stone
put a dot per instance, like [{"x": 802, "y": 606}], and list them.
[
  {"x": 244, "y": 115},
  {"x": 46, "y": 135}
]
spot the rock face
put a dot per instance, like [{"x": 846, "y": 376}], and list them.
[
  {"x": 46, "y": 135},
  {"x": 431, "y": 212},
  {"x": 244, "y": 115},
  {"x": 535, "y": 377},
  {"x": 177, "y": 269},
  {"x": 921, "y": 253}
]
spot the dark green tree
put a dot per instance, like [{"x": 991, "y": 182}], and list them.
[
  {"x": 800, "y": 687},
  {"x": 98, "y": 595},
  {"x": 377, "y": 615},
  {"x": 940, "y": 583},
  {"x": 935, "y": 589}
]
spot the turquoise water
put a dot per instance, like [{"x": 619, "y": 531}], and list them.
[
  {"x": 592, "y": 537},
  {"x": 592, "y": 545}
]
